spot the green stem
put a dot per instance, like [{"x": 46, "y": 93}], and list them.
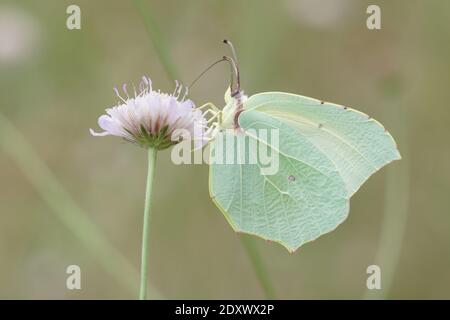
[
  {"x": 396, "y": 206},
  {"x": 258, "y": 267},
  {"x": 65, "y": 208},
  {"x": 157, "y": 38},
  {"x": 146, "y": 225}
]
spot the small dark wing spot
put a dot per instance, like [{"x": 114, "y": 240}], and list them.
[
  {"x": 291, "y": 178},
  {"x": 320, "y": 125},
  {"x": 345, "y": 108},
  {"x": 321, "y": 102}
]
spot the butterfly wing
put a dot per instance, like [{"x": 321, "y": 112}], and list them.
[
  {"x": 304, "y": 198},
  {"x": 325, "y": 153},
  {"x": 357, "y": 145}
]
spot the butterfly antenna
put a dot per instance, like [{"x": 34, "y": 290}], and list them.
[
  {"x": 235, "y": 64},
  {"x": 234, "y": 72},
  {"x": 204, "y": 71}
]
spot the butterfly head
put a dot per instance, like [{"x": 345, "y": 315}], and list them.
[{"x": 234, "y": 96}]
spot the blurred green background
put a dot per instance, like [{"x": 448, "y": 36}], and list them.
[{"x": 55, "y": 82}]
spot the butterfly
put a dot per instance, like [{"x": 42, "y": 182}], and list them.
[{"x": 325, "y": 152}]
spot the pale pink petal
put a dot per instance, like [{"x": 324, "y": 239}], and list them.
[{"x": 99, "y": 134}]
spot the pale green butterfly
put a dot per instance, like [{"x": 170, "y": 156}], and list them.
[{"x": 325, "y": 151}]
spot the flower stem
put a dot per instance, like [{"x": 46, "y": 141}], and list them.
[
  {"x": 162, "y": 49},
  {"x": 51, "y": 190},
  {"x": 258, "y": 267},
  {"x": 157, "y": 38},
  {"x": 146, "y": 225}
]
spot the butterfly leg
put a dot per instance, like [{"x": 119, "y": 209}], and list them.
[
  {"x": 210, "y": 112},
  {"x": 214, "y": 117},
  {"x": 209, "y": 105},
  {"x": 211, "y": 108},
  {"x": 209, "y": 135},
  {"x": 212, "y": 131}
]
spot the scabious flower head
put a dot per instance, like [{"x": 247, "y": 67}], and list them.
[{"x": 153, "y": 119}]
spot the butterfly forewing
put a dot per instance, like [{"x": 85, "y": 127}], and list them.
[{"x": 356, "y": 144}]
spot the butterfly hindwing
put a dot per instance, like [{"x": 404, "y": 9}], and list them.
[{"x": 302, "y": 199}]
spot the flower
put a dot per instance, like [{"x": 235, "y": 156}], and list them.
[
  {"x": 20, "y": 35},
  {"x": 153, "y": 119}
]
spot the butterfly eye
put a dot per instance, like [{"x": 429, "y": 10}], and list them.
[{"x": 291, "y": 178}]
